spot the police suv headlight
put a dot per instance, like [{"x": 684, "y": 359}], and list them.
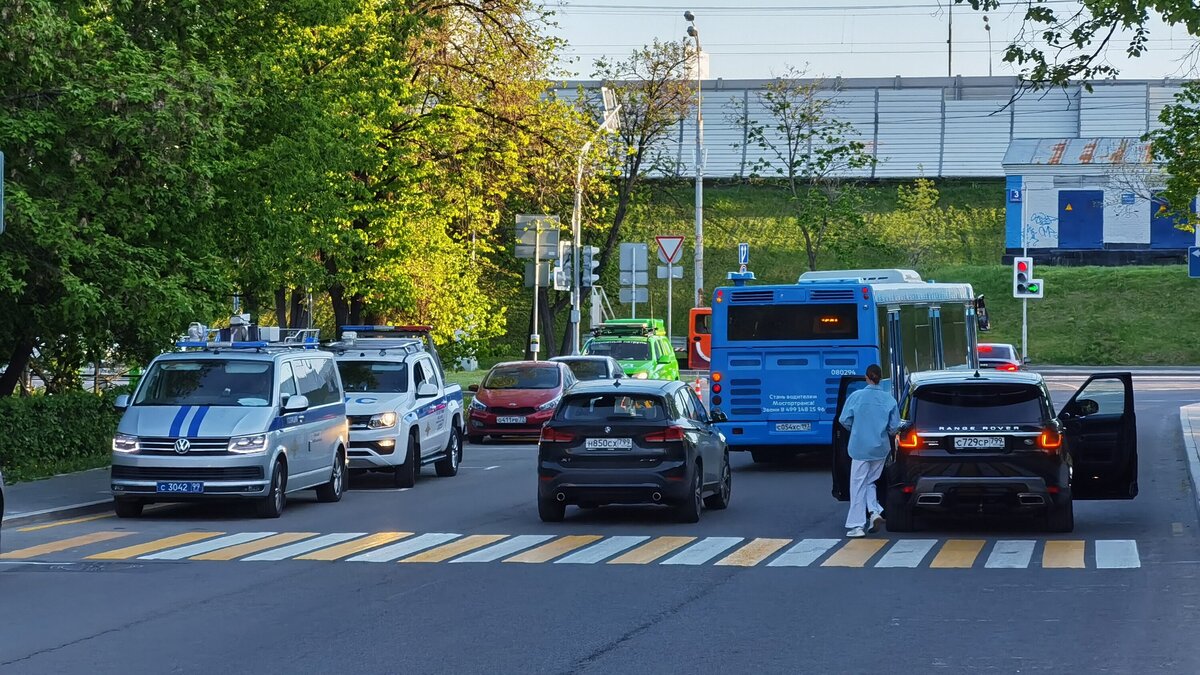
[
  {"x": 548, "y": 405},
  {"x": 476, "y": 404},
  {"x": 125, "y": 443},
  {"x": 248, "y": 445},
  {"x": 382, "y": 421},
  {"x": 641, "y": 375}
]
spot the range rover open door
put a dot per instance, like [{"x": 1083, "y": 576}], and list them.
[{"x": 1101, "y": 438}]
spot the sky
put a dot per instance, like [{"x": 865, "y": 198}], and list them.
[{"x": 829, "y": 38}]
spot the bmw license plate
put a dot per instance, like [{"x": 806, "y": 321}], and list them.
[
  {"x": 608, "y": 443},
  {"x": 794, "y": 426},
  {"x": 979, "y": 443},
  {"x": 510, "y": 420},
  {"x": 178, "y": 487}
]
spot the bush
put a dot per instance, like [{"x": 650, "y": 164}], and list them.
[{"x": 45, "y": 435}]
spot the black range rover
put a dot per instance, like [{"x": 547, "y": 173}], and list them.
[{"x": 972, "y": 443}]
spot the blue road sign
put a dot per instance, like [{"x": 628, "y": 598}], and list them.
[
  {"x": 1194, "y": 262},
  {"x": 1014, "y": 196},
  {"x": 743, "y": 254}
]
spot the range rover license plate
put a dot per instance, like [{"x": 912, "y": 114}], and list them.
[{"x": 979, "y": 442}]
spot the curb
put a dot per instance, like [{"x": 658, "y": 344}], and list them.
[
  {"x": 72, "y": 510},
  {"x": 1189, "y": 446}
]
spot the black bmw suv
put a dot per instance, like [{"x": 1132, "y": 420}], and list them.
[{"x": 978, "y": 443}]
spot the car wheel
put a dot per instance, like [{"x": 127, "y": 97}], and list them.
[
  {"x": 1061, "y": 517},
  {"x": 128, "y": 508},
  {"x": 475, "y": 440},
  {"x": 448, "y": 466},
  {"x": 271, "y": 506},
  {"x": 551, "y": 510},
  {"x": 688, "y": 510},
  {"x": 720, "y": 499},
  {"x": 332, "y": 491},
  {"x": 898, "y": 514},
  {"x": 405, "y": 475}
]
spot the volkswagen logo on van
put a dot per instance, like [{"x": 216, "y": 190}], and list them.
[{"x": 182, "y": 446}]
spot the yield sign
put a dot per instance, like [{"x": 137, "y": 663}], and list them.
[{"x": 669, "y": 249}]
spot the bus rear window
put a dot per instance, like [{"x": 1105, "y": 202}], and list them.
[{"x": 790, "y": 323}]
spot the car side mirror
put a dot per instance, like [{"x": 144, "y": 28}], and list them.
[
  {"x": 473, "y": 387},
  {"x": 295, "y": 404},
  {"x": 717, "y": 417},
  {"x": 427, "y": 390},
  {"x": 1084, "y": 407},
  {"x": 122, "y": 402}
]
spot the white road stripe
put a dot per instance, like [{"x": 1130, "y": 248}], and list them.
[
  {"x": 206, "y": 546},
  {"x": 804, "y": 553},
  {"x": 906, "y": 553},
  {"x": 604, "y": 549},
  {"x": 1011, "y": 554},
  {"x": 303, "y": 547},
  {"x": 405, "y": 547},
  {"x": 703, "y": 551},
  {"x": 505, "y": 548},
  {"x": 1113, "y": 554}
]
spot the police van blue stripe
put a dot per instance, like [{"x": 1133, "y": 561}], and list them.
[
  {"x": 194, "y": 428},
  {"x": 311, "y": 416},
  {"x": 177, "y": 423}
]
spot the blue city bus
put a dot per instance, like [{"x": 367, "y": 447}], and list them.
[{"x": 783, "y": 355}]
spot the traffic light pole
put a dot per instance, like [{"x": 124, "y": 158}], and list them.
[{"x": 1024, "y": 301}]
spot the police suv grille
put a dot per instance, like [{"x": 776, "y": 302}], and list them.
[
  {"x": 511, "y": 411},
  {"x": 752, "y": 296},
  {"x": 187, "y": 472},
  {"x": 845, "y": 294},
  {"x": 166, "y": 446},
  {"x": 358, "y": 422}
]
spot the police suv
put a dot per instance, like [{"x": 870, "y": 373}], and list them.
[{"x": 403, "y": 414}]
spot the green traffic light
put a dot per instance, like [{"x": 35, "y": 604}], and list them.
[{"x": 1033, "y": 288}]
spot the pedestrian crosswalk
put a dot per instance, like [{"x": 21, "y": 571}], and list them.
[{"x": 587, "y": 549}]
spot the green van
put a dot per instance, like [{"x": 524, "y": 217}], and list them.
[{"x": 640, "y": 345}]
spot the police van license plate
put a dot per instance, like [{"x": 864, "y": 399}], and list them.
[
  {"x": 179, "y": 487},
  {"x": 979, "y": 443},
  {"x": 510, "y": 420},
  {"x": 794, "y": 426},
  {"x": 608, "y": 443}
]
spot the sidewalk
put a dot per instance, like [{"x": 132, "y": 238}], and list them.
[
  {"x": 1189, "y": 422},
  {"x": 62, "y": 496}
]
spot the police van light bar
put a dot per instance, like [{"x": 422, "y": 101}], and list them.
[
  {"x": 201, "y": 344},
  {"x": 387, "y": 329}
]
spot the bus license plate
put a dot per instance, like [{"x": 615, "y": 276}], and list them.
[
  {"x": 177, "y": 487},
  {"x": 794, "y": 426},
  {"x": 979, "y": 443},
  {"x": 510, "y": 420},
  {"x": 608, "y": 443}
]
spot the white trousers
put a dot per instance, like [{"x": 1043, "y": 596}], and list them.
[{"x": 863, "y": 475}]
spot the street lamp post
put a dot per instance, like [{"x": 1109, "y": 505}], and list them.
[{"x": 693, "y": 32}]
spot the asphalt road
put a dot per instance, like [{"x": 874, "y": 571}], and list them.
[{"x": 739, "y": 610}]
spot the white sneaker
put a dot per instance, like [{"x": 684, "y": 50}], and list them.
[
  {"x": 874, "y": 520},
  {"x": 856, "y": 533}
]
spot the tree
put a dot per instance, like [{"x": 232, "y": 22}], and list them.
[
  {"x": 1177, "y": 145},
  {"x": 922, "y": 232},
  {"x": 810, "y": 154}
]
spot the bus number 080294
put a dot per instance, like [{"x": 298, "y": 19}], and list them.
[{"x": 842, "y": 372}]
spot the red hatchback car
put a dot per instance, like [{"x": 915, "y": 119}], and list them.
[{"x": 517, "y": 398}]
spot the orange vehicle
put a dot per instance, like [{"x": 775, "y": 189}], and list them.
[{"x": 699, "y": 337}]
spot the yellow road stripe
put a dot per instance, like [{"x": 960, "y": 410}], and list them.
[
  {"x": 651, "y": 550},
  {"x": 154, "y": 546},
  {"x": 753, "y": 553},
  {"x": 958, "y": 553},
  {"x": 855, "y": 553},
  {"x": 447, "y": 551},
  {"x": 354, "y": 546},
  {"x": 72, "y": 521},
  {"x": 255, "y": 546},
  {"x": 62, "y": 545},
  {"x": 1063, "y": 554},
  {"x": 554, "y": 549}
]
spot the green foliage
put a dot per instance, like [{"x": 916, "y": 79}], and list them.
[
  {"x": 1177, "y": 146},
  {"x": 921, "y": 232},
  {"x": 44, "y": 435}
]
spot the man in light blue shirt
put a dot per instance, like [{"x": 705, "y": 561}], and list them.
[{"x": 872, "y": 417}]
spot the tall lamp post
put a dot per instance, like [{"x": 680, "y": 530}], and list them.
[{"x": 693, "y": 32}]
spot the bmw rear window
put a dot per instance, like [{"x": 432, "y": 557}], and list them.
[
  {"x": 611, "y": 408},
  {"x": 955, "y": 405}
]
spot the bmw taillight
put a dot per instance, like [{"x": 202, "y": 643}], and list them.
[
  {"x": 909, "y": 441},
  {"x": 1050, "y": 439},
  {"x": 668, "y": 435},
  {"x": 552, "y": 435}
]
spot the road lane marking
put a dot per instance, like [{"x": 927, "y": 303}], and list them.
[
  {"x": 1011, "y": 554},
  {"x": 506, "y": 548},
  {"x": 704, "y": 550},
  {"x": 405, "y": 548},
  {"x": 1063, "y": 554},
  {"x": 206, "y": 546},
  {"x": 804, "y": 553},
  {"x": 234, "y": 552},
  {"x": 323, "y": 541},
  {"x": 605, "y": 549},
  {"x": 1115, "y": 554},
  {"x": 454, "y": 548},
  {"x": 351, "y": 547},
  {"x": 957, "y": 554},
  {"x": 855, "y": 553},
  {"x": 152, "y": 546},
  {"x": 554, "y": 549},
  {"x": 907, "y": 553},
  {"x": 753, "y": 553},
  {"x": 63, "y": 544},
  {"x": 71, "y": 521},
  {"x": 651, "y": 551}
]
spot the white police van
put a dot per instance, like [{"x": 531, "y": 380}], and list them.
[
  {"x": 236, "y": 417},
  {"x": 403, "y": 414}
]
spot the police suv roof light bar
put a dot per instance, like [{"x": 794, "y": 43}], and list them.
[{"x": 241, "y": 334}]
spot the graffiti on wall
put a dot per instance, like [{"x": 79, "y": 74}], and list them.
[{"x": 1041, "y": 226}]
